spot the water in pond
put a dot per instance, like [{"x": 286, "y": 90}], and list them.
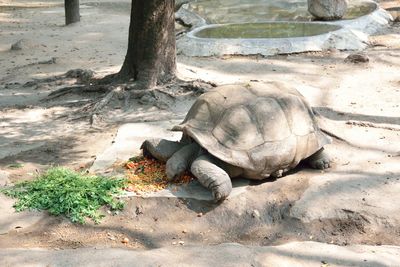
[
  {"x": 266, "y": 30},
  {"x": 241, "y": 11}
]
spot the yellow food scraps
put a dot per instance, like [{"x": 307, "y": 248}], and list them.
[{"x": 148, "y": 175}]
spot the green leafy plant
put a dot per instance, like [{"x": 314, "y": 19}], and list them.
[
  {"x": 62, "y": 191},
  {"x": 15, "y": 165}
]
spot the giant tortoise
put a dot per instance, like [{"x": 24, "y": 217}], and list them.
[{"x": 256, "y": 130}]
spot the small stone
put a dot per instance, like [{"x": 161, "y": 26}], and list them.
[
  {"x": 81, "y": 75},
  {"x": 327, "y": 9},
  {"x": 181, "y": 243},
  {"x": 49, "y": 61},
  {"x": 199, "y": 214},
  {"x": 357, "y": 58},
  {"x": 255, "y": 214},
  {"x": 147, "y": 99},
  {"x": 17, "y": 45},
  {"x": 24, "y": 44},
  {"x": 174, "y": 243},
  {"x": 184, "y": 231},
  {"x": 138, "y": 211},
  {"x": 125, "y": 241}
]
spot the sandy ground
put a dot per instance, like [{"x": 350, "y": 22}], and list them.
[{"x": 361, "y": 101}]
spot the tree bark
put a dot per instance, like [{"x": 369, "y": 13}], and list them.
[
  {"x": 71, "y": 11},
  {"x": 151, "y": 55}
]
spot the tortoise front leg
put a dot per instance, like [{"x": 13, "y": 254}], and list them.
[
  {"x": 160, "y": 149},
  {"x": 181, "y": 160},
  {"x": 211, "y": 176}
]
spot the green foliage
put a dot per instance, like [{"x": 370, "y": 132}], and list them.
[
  {"x": 137, "y": 159},
  {"x": 15, "y": 165},
  {"x": 62, "y": 191}
]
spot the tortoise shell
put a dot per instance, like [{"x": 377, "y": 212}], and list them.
[{"x": 260, "y": 127}]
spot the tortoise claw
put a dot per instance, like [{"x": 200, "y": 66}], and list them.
[
  {"x": 221, "y": 192},
  {"x": 320, "y": 160}
]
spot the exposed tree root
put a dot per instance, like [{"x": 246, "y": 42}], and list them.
[
  {"x": 100, "y": 105},
  {"x": 79, "y": 75},
  {"x": 77, "y": 89},
  {"x": 114, "y": 78},
  {"x": 112, "y": 93}
]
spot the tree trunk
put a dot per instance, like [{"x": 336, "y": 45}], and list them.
[
  {"x": 151, "y": 58},
  {"x": 71, "y": 11}
]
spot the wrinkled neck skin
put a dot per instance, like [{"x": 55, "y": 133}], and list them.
[
  {"x": 194, "y": 149},
  {"x": 186, "y": 140},
  {"x": 182, "y": 159}
]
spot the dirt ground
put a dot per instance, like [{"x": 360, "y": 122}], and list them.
[{"x": 361, "y": 97}]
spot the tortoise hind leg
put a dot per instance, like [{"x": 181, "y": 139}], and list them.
[
  {"x": 160, "y": 149},
  {"x": 211, "y": 176},
  {"x": 319, "y": 160}
]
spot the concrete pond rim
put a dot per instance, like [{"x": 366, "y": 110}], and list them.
[{"x": 346, "y": 34}]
